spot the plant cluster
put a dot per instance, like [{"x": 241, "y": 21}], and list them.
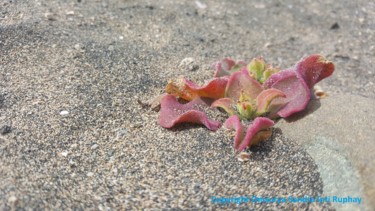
[{"x": 255, "y": 92}]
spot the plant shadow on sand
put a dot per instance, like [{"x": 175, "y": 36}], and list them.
[
  {"x": 264, "y": 148},
  {"x": 186, "y": 126},
  {"x": 313, "y": 105}
]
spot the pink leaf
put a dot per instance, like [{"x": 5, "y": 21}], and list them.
[
  {"x": 265, "y": 98},
  {"x": 226, "y": 66},
  {"x": 234, "y": 122},
  {"x": 188, "y": 90},
  {"x": 242, "y": 140},
  {"x": 224, "y": 103},
  {"x": 314, "y": 68},
  {"x": 276, "y": 77},
  {"x": 242, "y": 81},
  {"x": 296, "y": 91},
  {"x": 172, "y": 113},
  {"x": 222, "y": 67}
]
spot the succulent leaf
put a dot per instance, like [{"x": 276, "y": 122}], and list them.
[
  {"x": 226, "y": 67},
  {"x": 267, "y": 73},
  {"x": 264, "y": 99},
  {"x": 242, "y": 82},
  {"x": 244, "y": 97},
  {"x": 296, "y": 91},
  {"x": 173, "y": 113},
  {"x": 224, "y": 103},
  {"x": 314, "y": 68},
  {"x": 256, "y": 68},
  {"x": 247, "y": 136},
  {"x": 246, "y": 110},
  {"x": 234, "y": 122},
  {"x": 188, "y": 90}
]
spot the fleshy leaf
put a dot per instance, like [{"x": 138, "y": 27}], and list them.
[
  {"x": 254, "y": 133},
  {"x": 276, "y": 77},
  {"x": 314, "y": 68},
  {"x": 234, "y": 122},
  {"x": 246, "y": 110},
  {"x": 226, "y": 66},
  {"x": 256, "y": 68},
  {"x": 244, "y": 97},
  {"x": 188, "y": 90},
  {"x": 267, "y": 73},
  {"x": 296, "y": 91},
  {"x": 241, "y": 81},
  {"x": 246, "y": 106},
  {"x": 172, "y": 113},
  {"x": 260, "y": 136},
  {"x": 265, "y": 97},
  {"x": 224, "y": 103}
]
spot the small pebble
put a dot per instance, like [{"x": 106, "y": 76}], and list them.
[
  {"x": 5, "y": 129},
  {"x": 95, "y": 146},
  {"x": 110, "y": 152},
  {"x": 50, "y": 16},
  {"x": 186, "y": 61},
  {"x": 243, "y": 157},
  {"x": 64, "y": 112},
  {"x": 200, "y": 5},
  {"x": 73, "y": 146},
  {"x": 260, "y": 6},
  {"x": 319, "y": 93},
  {"x": 72, "y": 163},
  {"x": 77, "y": 46},
  {"x": 188, "y": 64},
  {"x": 64, "y": 154},
  {"x": 268, "y": 44},
  {"x": 193, "y": 67},
  {"x": 12, "y": 199},
  {"x": 335, "y": 26},
  {"x": 90, "y": 174},
  {"x": 121, "y": 132},
  {"x": 70, "y": 13}
]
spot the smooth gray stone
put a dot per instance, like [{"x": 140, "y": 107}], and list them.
[{"x": 338, "y": 132}]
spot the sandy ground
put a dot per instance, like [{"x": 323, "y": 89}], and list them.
[{"x": 71, "y": 72}]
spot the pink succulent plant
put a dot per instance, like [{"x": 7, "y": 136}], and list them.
[
  {"x": 245, "y": 97},
  {"x": 256, "y": 91}
]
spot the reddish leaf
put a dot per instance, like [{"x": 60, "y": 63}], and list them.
[
  {"x": 276, "y": 77},
  {"x": 188, "y": 90},
  {"x": 226, "y": 67},
  {"x": 253, "y": 132},
  {"x": 242, "y": 81},
  {"x": 314, "y": 68},
  {"x": 172, "y": 113},
  {"x": 234, "y": 122},
  {"x": 222, "y": 67},
  {"x": 224, "y": 103},
  {"x": 265, "y": 98},
  {"x": 296, "y": 91}
]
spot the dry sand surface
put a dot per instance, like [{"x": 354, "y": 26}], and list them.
[{"x": 72, "y": 73}]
